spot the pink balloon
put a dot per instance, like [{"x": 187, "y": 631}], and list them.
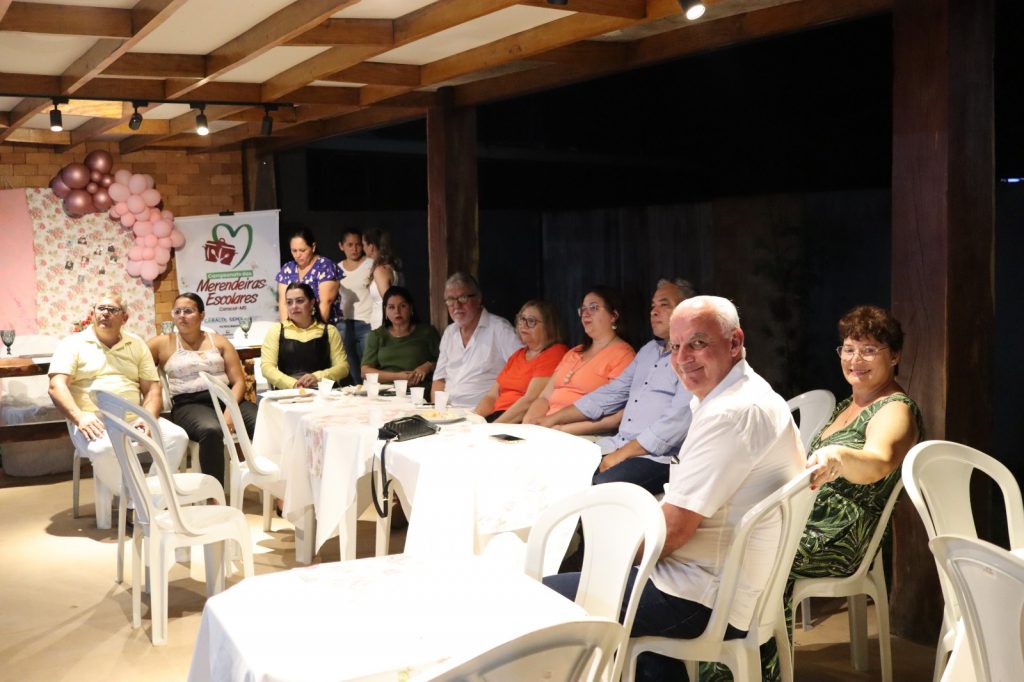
[
  {"x": 58, "y": 186},
  {"x": 114, "y": 214},
  {"x": 92, "y": 187},
  {"x": 123, "y": 176},
  {"x": 154, "y": 215},
  {"x": 128, "y": 220},
  {"x": 135, "y": 253},
  {"x": 162, "y": 256},
  {"x": 134, "y": 268},
  {"x": 137, "y": 184},
  {"x": 151, "y": 240},
  {"x": 167, "y": 215},
  {"x": 150, "y": 182},
  {"x": 177, "y": 238},
  {"x": 164, "y": 243},
  {"x": 149, "y": 270},
  {"x": 151, "y": 197},
  {"x": 136, "y": 204},
  {"x": 162, "y": 228},
  {"x": 148, "y": 253},
  {"x": 140, "y": 242},
  {"x": 120, "y": 207},
  {"x": 119, "y": 192},
  {"x": 143, "y": 228}
]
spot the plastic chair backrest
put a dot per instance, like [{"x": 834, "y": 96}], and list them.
[
  {"x": 121, "y": 408},
  {"x": 815, "y": 409},
  {"x": 121, "y": 436},
  {"x": 937, "y": 476},
  {"x": 219, "y": 391},
  {"x": 793, "y": 500},
  {"x": 989, "y": 585},
  {"x": 876, "y": 536},
  {"x": 576, "y": 650},
  {"x": 616, "y": 518}
]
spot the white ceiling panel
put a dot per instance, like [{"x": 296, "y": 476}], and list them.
[
  {"x": 270, "y": 63},
  {"x": 217, "y": 126},
  {"x": 42, "y": 121},
  {"x": 8, "y": 103},
  {"x": 382, "y": 9},
  {"x": 471, "y": 34},
  {"x": 39, "y": 53},
  {"x": 221, "y": 20},
  {"x": 167, "y": 111},
  {"x": 117, "y": 4}
]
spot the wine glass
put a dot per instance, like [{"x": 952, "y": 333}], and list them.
[
  {"x": 7, "y": 336},
  {"x": 245, "y": 325}
]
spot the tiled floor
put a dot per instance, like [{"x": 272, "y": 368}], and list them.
[{"x": 62, "y": 616}]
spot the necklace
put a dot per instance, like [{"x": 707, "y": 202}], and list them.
[{"x": 581, "y": 363}]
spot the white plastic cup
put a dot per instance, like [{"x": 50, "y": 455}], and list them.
[
  {"x": 373, "y": 378},
  {"x": 441, "y": 401},
  {"x": 372, "y": 390},
  {"x": 416, "y": 394},
  {"x": 400, "y": 386},
  {"x": 325, "y": 386}
]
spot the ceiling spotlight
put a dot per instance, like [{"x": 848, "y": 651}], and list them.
[
  {"x": 202, "y": 125},
  {"x": 135, "y": 122},
  {"x": 558, "y": 2},
  {"x": 694, "y": 9},
  {"x": 56, "y": 120},
  {"x": 267, "y": 126}
]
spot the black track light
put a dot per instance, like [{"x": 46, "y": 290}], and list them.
[
  {"x": 56, "y": 119},
  {"x": 135, "y": 122},
  {"x": 267, "y": 126},
  {"x": 558, "y": 2},
  {"x": 202, "y": 125},
  {"x": 694, "y": 9}
]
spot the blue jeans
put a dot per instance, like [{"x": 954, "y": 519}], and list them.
[
  {"x": 646, "y": 473},
  {"x": 658, "y": 614},
  {"x": 353, "y": 335}
]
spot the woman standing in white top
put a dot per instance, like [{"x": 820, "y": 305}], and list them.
[
  {"x": 182, "y": 356},
  {"x": 356, "y": 304},
  {"x": 377, "y": 246}
]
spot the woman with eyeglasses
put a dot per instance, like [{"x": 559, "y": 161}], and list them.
[
  {"x": 181, "y": 356},
  {"x": 404, "y": 347},
  {"x": 302, "y": 350},
  {"x": 600, "y": 358},
  {"x": 528, "y": 369},
  {"x": 860, "y": 451}
]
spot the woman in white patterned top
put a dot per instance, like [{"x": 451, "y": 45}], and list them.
[{"x": 182, "y": 356}]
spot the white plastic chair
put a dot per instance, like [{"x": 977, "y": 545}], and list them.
[
  {"x": 989, "y": 585},
  {"x": 742, "y": 656},
  {"x": 168, "y": 526},
  {"x": 616, "y": 517},
  {"x": 869, "y": 579},
  {"x": 191, "y": 461},
  {"x": 937, "y": 476},
  {"x": 580, "y": 651},
  {"x": 257, "y": 471},
  {"x": 192, "y": 488}
]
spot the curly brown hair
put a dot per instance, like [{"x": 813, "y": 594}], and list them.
[{"x": 871, "y": 321}]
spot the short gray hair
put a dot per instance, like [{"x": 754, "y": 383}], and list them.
[
  {"x": 686, "y": 289},
  {"x": 724, "y": 310},
  {"x": 463, "y": 279}
]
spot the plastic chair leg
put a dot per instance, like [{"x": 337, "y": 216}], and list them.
[
  {"x": 76, "y": 478},
  {"x": 784, "y": 648},
  {"x": 268, "y": 503},
  {"x": 160, "y": 560},
  {"x": 805, "y": 614},
  {"x": 136, "y": 578},
  {"x": 213, "y": 553},
  {"x": 857, "y": 608},
  {"x": 884, "y": 637},
  {"x": 122, "y": 523},
  {"x": 104, "y": 500}
]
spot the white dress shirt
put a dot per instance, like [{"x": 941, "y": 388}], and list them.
[{"x": 469, "y": 370}]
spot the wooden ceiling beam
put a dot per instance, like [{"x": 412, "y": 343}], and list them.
[
  {"x": 348, "y": 32},
  {"x": 5, "y": 119},
  {"x": 37, "y": 136},
  {"x": 314, "y": 94},
  {"x": 182, "y": 124},
  {"x": 594, "y": 53},
  {"x": 150, "y": 126},
  {"x": 364, "y": 119},
  {"x": 152, "y": 65},
  {"x": 624, "y": 9},
  {"x": 122, "y": 88},
  {"x": 28, "y": 85},
  {"x": 379, "y": 73},
  {"x": 289, "y": 22},
  {"x": 97, "y": 126},
  {"x": 21, "y": 113},
  {"x": 5, "y": 6},
  {"x": 443, "y": 14},
  {"x": 31, "y": 17}
]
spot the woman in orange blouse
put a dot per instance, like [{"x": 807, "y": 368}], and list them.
[
  {"x": 592, "y": 364},
  {"x": 527, "y": 371}
]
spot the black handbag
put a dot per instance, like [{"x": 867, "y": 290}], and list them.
[{"x": 405, "y": 428}]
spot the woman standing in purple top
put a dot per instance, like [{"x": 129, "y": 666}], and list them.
[{"x": 319, "y": 272}]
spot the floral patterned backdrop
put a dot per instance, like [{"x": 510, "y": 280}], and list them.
[{"x": 77, "y": 260}]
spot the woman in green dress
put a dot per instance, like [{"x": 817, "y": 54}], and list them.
[
  {"x": 403, "y": 347},
  {"x": 860, "y": 451}
]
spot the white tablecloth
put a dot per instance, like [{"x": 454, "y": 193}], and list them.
[
  {"x": 371, "y": 619},
  {"x": 464, "y": 487}
]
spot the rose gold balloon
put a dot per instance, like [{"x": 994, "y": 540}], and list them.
[
  {"x": 99, "y": 160},
  {"x": 95, "y": 176},
  {"x": 102, "y": 200},
  {"x": 75, "y": 175},
  {"x": 77, "y": 203},
  {"x": 58, "y": 186},
  {"x": 107, "y": 180},
  {"x": 92, "y": 187}
]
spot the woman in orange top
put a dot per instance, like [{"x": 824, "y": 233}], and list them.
[
  {"x": 528, "y": 369},
  {"x": 592, "y": 364}
]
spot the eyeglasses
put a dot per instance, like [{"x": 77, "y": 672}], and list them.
[
  {"x": 591, "y": 308},
  {"x": 530, "y": 322},
  {"x": 109, "y": 309},
  {"x": 867, "y": 353},
  {"x": 184, "y": 312},
  {"x": 463, "y": 299}
]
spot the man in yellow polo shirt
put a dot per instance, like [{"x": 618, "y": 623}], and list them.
[{"x": 105, "y": 358}]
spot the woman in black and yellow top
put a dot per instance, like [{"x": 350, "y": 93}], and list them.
[{"x": 302, "y": 350}]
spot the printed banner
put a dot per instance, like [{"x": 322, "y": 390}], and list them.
[{"x": 231, "y": 262}]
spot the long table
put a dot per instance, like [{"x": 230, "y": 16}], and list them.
[{"x": 383, "y": 618}]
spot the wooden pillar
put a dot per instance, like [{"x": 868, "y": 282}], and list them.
[
  {"x": 943, "y": 255},
  {"x": 452, "y": 219},
  {"x": 259, "y": 183}
]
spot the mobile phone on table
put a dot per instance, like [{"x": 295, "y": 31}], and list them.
[{"x": 507, "y": 438}]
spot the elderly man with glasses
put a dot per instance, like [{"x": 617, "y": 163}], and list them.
[
  {"x": 103, "y": 357},
  {"x": 474, "y": 348}
]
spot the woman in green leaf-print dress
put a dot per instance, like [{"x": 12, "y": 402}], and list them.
[{"x": 859, "y": 452}]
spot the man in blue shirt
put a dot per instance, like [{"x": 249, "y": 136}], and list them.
[{"x": 655, "y": 405}]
